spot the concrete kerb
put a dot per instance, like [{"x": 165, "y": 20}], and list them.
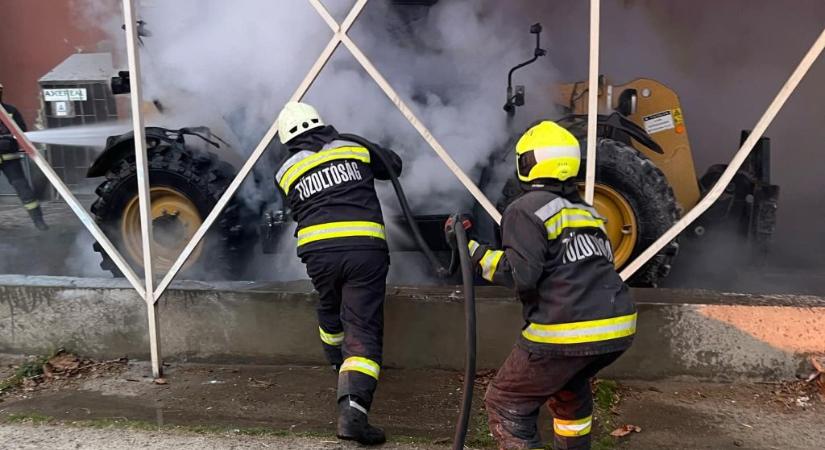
[{"x": 700, "y": 334}]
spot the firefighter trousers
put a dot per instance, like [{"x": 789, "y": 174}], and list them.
[
  {"x": 528, "y": 380},
  {"x": 351, "y": 286},
  {"x": 12, "y": 166}
]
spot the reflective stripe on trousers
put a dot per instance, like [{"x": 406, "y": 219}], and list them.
[
  {"x": 334, "y": 339},
  {"x": 335, "y": 230},
  {"x": 572, "y": 428},
  {"x": 11, "y": 156},
  {"x": 363, "y": 365},
  {"x": 582, "y": 332}
]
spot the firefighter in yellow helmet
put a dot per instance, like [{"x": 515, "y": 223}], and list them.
[
  {"x": 578, "y": 315},
  {"x": 11, "y": 164}
]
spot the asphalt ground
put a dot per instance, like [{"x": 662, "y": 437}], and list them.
[{"x": 116, "y": 404}]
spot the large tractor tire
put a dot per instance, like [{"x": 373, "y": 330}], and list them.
[
  {"x": 638, "y": 202},
  {"x": 185, "y": 186}
]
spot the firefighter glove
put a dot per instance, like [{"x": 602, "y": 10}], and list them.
[{"x": 449, "y": 228}]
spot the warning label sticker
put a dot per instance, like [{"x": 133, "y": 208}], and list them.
[
  {"x": 661, "y": 121},
  {"x": 677, "y": 116}
]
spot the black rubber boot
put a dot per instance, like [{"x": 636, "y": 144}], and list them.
[
  {"x": 333, "y": 354},
  {"x": 37, "y": 217},
  {"x": 353, "y": 425}
]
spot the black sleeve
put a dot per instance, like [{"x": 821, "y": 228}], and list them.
[
  {"x": 15, "y": 114},
  {"x": 379, "y": 169},
  {"x": 520, "y": 263},
  {"x": 524, "y": 239}
]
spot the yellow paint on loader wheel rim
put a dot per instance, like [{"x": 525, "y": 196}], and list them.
[
  {"x": 175, "y": 220},
  {"x": 622, "y": 228}
]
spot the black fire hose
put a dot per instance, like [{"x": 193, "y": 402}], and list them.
[
  {"x": 402, "y": 199},
  {"x": 466, "y": 276},
  {"x": 470, "y": 336}
]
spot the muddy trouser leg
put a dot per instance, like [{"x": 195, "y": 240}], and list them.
[
  {"x": 513, "y": 401},
  {"x": 528, "y": 379},
  {"x": 572, "y": 406},
  {"x": 13, "y": 169},
  {"x": 362, "y": 313}
]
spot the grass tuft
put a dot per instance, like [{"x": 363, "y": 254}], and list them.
[
  {"x": 30, "y": 417},
  {"x": 29, "y": 369}
]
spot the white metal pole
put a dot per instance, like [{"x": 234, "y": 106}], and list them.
[
  {"x": 736, "y": 162},
  {"x": 408, "y": 113},
  {"x": 87, "y": 221},
  {"x": 592, "y": 102},
  {"x": 299, "y": 93},
  {"x": 144, "y": 198}
]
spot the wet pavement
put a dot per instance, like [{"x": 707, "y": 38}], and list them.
[
  {"x": 55, "y": 437},
  {"x": 417, "y": 407}
]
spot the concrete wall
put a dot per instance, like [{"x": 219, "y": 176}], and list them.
[{"x": 681, "y": 333}]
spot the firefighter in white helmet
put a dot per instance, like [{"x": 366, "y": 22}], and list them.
[
  {"x": 11, "y": 164},
  {"x": 578, "y": 315},
  {"x": 329, "y": 186}
]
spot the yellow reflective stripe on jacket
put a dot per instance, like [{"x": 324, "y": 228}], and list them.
[
  {"x": 31, "y": 205},
  {"x": 473, "y": 246},
  {"x": 573, "y": 428},
  {"x": 291, "y": 175},
  {"x": 571, "y": 218},
  {"x": 582, "y": 332},
  {"x": 553, "y": 207},
  {"x": 489, "y": 263},
  {"x": 363, "y": 365},
  {"x": 335, "y": 230},
  {"x": 11, "y": 156},
  {"x": 334, "y": 339}
]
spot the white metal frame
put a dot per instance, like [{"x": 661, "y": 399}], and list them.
[
  {"x": 592, "y": 102},
  {"x": 151, "y": 294},
  {"x": 144, "y": 195}
]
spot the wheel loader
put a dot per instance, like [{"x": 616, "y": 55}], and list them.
[{"x": 645, "y": 181}]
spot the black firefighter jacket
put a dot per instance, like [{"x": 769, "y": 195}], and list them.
[
  {"x": 332, "y": 196},
  {"x": 7, "y": 142},
  {"x": 558, "y": 257}
]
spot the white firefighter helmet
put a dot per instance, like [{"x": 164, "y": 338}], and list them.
[{"x": 297, "y": 118}]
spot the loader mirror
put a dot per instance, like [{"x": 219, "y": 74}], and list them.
[
  {"x": 121, "y": 83},
  {"x": 517, "y": 98},
  {"x": 628, "y": 101}
]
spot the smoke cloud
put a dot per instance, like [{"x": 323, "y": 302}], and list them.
[
  {"x": 210, "y": 61},
  {"x": 213, "y": 61},
  {"x": 232, "y": 66}
]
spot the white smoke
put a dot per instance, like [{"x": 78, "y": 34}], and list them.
[
  {"x": 218, "y": 63},
  {"x": 212, "y": 60}
]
